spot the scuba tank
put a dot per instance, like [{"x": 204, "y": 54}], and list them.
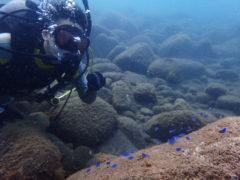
[{"x": 5, "y": 42}]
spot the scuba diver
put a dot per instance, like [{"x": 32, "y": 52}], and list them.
[{"x": 41, "y": 44}]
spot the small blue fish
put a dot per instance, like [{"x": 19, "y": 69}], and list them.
[
  {"x": 194, "y": 118},
  {"x": 108, "y": 163},
  {"x": 132, "y": 150},
  {"x": 126, "y": 154},
  {"x": 182, "y": 134},
  {"x": 211, "y": 108},
  {"x": 144, "y": 155},
  {"x": 206, "y": 116},
  {"x": 172, "y": 130},
  {"x": 88, "y": 170},
  {"x": 131, "y": 157},
  {"x": 98, "y": 164},
  {"x": 171, "y": 141},
  {"x": 223, "y": 130},
  {"x": 201, "y": 113},
  {"x": 223, "y": 115},
  {"x": 188, "y": 138},
  {"x": 115, "y": 165},
  {"x": 179, "y": 149}
]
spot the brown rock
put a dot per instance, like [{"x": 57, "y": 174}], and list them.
[
  {"x": 208, "y": 155},
  {"x": 26, "y": 154}
]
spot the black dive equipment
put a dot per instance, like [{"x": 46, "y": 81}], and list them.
[
  {"x": 74, "y": 43},
  {"x": 80, "y": 43}
]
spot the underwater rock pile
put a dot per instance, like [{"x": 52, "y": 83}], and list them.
[{"x": 163, "y": 82}]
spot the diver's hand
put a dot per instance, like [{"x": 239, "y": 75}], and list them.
[{"x": 95, "y": 81}]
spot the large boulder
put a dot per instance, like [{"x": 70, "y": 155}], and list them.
[
  {"x": 98, "y": 29},
  {"x": 115, "y": 51},
  {"x": 181, "y": 104},
  {"x": 102, "y": 44},
  {"x": 179, "y": 69},
  {"x": 227, "y": 75},
  {"x": 86, "y": 124},
  {"x": 136, "y": 58},
  {"x": 72, "y": 160},
  {"x": 119, "y": 143},
  {"x": 26, "y": 153},
  {"x": 228, "y": 102},
  {"x": 168, "y": 124},
  {"x": 203, "y": 49},
  {"x": 134, "y": 78},
  {"x": 122, "y": 96},
  {"x": 228, "y": 48},
  {"x": 206, "y": 154},
  {"x": 106, "y": 67},
  {"x": 179, "y": 46},
  {"x": 145, "y": 93},
  {"x": 215, "y": 90},
  {"x": 114, "y": 76},
  {"x": 131, "y": 129},
  {"x": 122, "y": 35}
]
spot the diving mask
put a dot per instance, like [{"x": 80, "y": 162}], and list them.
[{"x": 70, "y": 38}]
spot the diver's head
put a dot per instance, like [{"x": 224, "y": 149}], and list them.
[
  {"x": 64, "y": 37},
  {"x": 66, "y": 30}
]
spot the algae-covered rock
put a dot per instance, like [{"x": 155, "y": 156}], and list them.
[
  {"x": 178, "y": 45},
  {"x": 103, "y": 44},
  {"x": 145, "y": 93},
  {"x": 131, "y": 129},
  {"x": 181, "y": 104},
  {"x": 39, "y": 120},
  {"x": 228, "y": 75},
  {"x": 208, "y": 154},
  {"x": 168, "y": 124},
  {"x": 115, "y": 51},
  {"x": 134, "y": 78},
  {"x": 122, "y": 96},
  {"x": 215, "y": 90},
  {"x": 119, "y": 143},
  {"x": 106, "y": 67},
  {"x": 228, "y": 102},
  {"x": 136, "y": 58},
  {"x": 86, "y": 124},
  {"x": 179, "y": 69},
  {"x": 26, "y": 153}
]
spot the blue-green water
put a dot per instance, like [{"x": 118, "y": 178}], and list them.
[
  {"x": 171, "y": 67},
  {"x": 220, "y": 10}
]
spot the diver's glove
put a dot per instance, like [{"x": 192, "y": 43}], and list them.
[{"x": 95, "y": 81}]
